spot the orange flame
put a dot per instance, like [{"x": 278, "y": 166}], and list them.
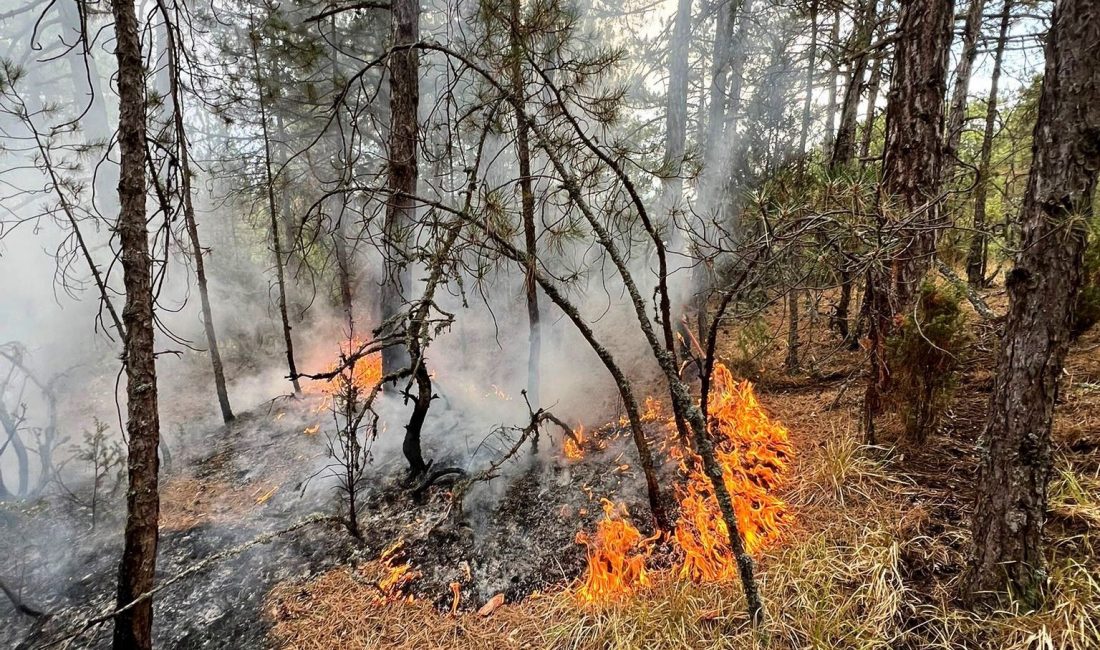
[
  {"x": 753, "y": 452},
  {"x": 366, "y": 373},
  {"x": 573, "y": 446},
  {"x": 397, "y": 573},
  {"x": 617, "y": 555}
]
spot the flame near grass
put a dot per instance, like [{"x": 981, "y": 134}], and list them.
[{"x": 753, "y": 452}]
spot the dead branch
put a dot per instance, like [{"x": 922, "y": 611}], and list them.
[{"x": 20, "y": 606}]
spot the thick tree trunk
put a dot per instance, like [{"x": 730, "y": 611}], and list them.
[
  {"x": 527, "y": 199},
  {"x": 136, "y": 573},
  {"x": 404, "y": 69},
  {"x": 976, "y": 256},
  {"x": 956, "y": 115},
  {"x": 913, "y": 157},
  {"x": 276, "y": 240},
  {"x": 909, "y": 202},
  {"x": 191, "y": 223},
  {"x": 1012, "y": 484}
]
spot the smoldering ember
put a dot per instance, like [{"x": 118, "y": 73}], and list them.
[{"x": 482, "y": 324}]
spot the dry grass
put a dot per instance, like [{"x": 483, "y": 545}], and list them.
[
  {"x": 871, "y": 561},
  {"x": 187, "y": 502}
]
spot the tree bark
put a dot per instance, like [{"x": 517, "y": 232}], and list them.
[
  {"x": 1012, "y": 484},
  {"x": 912, "y": 158},
  {"x": 527, "y": 198},
  {"x": 276, "y": 241},
  {"x": 956, "y": 116},
  {"x": 873, "y": 87},
  {"x": 834, "y": 80},
  {"x": 808, "y": 90},
  {"x": 976, "y": 256},
  {"x": 136, "y": 573},
  {"x": 404, "y": 69},
  {"x": 189, "y": 219}
]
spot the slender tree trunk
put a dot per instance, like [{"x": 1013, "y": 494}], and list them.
[
  {"x": 834, "y": 80},
  {"x": 527, "y": 198},
  {"x": 1042, "y": 288},
  {"x": 976, "y": 256},
  {"x": 792, "y": 332},
  {"x": 190, "y": 221},
  {"x": 404, "y": 68},
  {"x": 956, "y": 115},
  {"x": 276, "y": 241},
  {"x": 676, "y": 108},
  {"x": 873, "y": 87},
  {"x": 808, "y": 90},
  {"x": 844, "y": 147},
  {"x": 136, "y": 573},
  {"x": 340, "y": 163}
]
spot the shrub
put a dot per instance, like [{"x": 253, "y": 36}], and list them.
[{"x": 924, "y": 355}]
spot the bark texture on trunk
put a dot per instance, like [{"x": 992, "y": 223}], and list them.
[
  {"x": 404, "y": 69},
  {"x": 527, "y": 198},
  {"x": 914, "y": 139},
  {"x": 1042, "y": 287},
  {"x": 402, "y": 172},
  {"x": 136, "y": 573},
  {"x": 976, "y": 256},
  {"x": 956, "y": 116}
]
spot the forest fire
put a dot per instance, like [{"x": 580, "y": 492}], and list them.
[
  {"x": 397, "y": 573},
  {"x": 573, "y": 447},
  {"x": 617, "y": 555},
  {"x": 753, "y": 452},
  {"x": 365, "y": 373}
]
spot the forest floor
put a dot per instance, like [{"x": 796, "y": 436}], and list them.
[{"x": 870, "y": 555}]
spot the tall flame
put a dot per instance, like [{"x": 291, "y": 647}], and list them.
[
  {"x": 573, "y": 447},
  {"x": 617, "y": 555},
  {"x": 753, "y": 452},
  {"x": 366, "y": 373}
]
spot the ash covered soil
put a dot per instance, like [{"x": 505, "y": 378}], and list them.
[{"x": 514, "y": 534}]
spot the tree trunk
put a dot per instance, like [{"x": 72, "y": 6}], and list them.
[
  {"x": 808, "y": 90},
  {"x": 844, "y": 147},
  {"x": 676, "y": 109},
  {"x": 909, "y": 204},
  {"x": 1012, "y": 484},
  {"x": 792, "y": 332},
  {"x": 869, "y": 117},
  {"x": 404, "y": 68},
  {"x": 136, "y": 572},
  {"x": 914, "y": 139},
  {"x": 976, "y": 256},
  {"x": 191, "y": 223},
  {"x": 527, "y": 199},
  {"x": 340, "y": 163},
  {"x": 956, "y": 116},
  {"x": 276, "y": 241},
  {"x": 834, "y": 80}
]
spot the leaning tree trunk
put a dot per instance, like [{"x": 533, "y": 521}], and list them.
[
  {"x": 869, "y": 117},
  {"x": 404, "y": 68},
  {"x": 956, "y": 116},
  {"x": 909, "y": 203},
  {"x": 834, "y": 81},
  {"x": 1012, "y": 484},
  {"x": 527, "y": 198},
  {"x": 136, "y": 572},
  {"x": 844, "y": 147},
  {"x": 192, "y": 224},
  {"x": 976, "y": 256}
]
